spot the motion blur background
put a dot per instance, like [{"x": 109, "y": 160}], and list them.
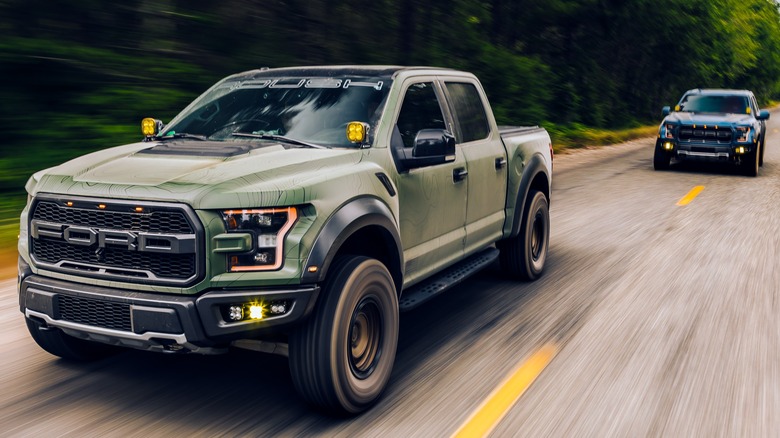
[{"x": 76, "y": 76}]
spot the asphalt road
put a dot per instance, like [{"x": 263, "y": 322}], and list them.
[{"x": 665, "y": 320}]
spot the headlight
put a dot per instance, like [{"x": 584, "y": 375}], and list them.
[
  {"x": 268, "y": 228},
  {"x": 669, "y": 130},
  {"x": 743, "y": 134}
]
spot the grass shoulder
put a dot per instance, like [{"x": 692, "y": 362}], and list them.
[{"x": 576, "y": 136}]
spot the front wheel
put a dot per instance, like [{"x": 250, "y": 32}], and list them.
[
  {"x": 523, "y": 256},
  {"x": 750, "y": 163},
  {"x": 761, "y": 146},
  {"x": 341, "y": 358},
  {"x": 661, "y": 158},
  {"x": 65, "y": 346}
]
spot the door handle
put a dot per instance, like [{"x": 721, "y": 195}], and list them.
[
  {"x": 500, "y": 162},
  {"x": 459, "y": 173}
]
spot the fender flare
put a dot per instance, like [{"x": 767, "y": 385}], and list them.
[
  {"x": 535, "y": 167},
  {"x": 348, "y": 219}
]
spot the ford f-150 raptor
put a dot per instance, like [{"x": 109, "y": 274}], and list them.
[
  {"x": 713, "y": 125},
  {"x": 293, "y": 211}
]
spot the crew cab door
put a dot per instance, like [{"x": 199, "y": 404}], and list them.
[
  {"x": 432, "y": 198},
  {"x": 487, "y": 162}
]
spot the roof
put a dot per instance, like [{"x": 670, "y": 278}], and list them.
[
  {"x": 720, "y": 92},
  {"x": 335, "y": 70}
]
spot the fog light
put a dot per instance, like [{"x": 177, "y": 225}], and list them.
[
  {"x": 741, "y": 149},
  {"x": 668, "y": 146},
  {"x": 278, "y": 309},
  {"x": 236, "y": 313},
  {"x": 256, "y": 311}
]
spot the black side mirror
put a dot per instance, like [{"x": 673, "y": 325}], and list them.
[
  {"x": 432, "y": 143},
  {"x": 431, "y": 147},
  {"x": 666, "y": 110}
]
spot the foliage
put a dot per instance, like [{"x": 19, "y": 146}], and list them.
[{"x": 79, "y": 76}]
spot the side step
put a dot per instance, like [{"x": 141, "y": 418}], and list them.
[{"x": 446, "y": 279}]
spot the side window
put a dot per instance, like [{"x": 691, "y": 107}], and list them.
[
  {"x": 420, "y": 110},
  {"x": 469, "y": 111}
]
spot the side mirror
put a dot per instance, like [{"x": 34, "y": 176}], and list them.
[
  {"x": 666, "y": 110},
  {"x": 433, "y": 143},
  {"x": 763, "y": 115},
  {"x": 431, "y": 147}
]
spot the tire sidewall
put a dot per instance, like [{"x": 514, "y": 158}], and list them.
[
  {"x": 538, "y": 208},
  {"x": 361, "y": 278}
]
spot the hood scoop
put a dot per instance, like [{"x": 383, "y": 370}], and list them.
[{"x": 200, "y": 148}]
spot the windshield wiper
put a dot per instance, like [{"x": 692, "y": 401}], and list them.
[
  {"x": 279, "y": 138},
  {"x": 180, "y": 135}
]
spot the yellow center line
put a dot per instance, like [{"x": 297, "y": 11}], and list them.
[
  {"x": 492, "y": 410},
  {"x": 689, "y": 197}
]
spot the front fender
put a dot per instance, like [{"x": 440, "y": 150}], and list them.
[{"x": 348, "y": 219}]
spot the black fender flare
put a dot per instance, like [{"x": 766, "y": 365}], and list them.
[
  {"x": 351, "y": 217},
  {"x": 534, "y": 167}
]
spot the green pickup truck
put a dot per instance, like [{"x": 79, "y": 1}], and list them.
[{"x": 293, "y": 211}]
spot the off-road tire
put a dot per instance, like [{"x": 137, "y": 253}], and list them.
[
  {"x": 523, "y": 256},
  {"x": 750, "y": 164},
  {"x": 661, "y": 158},
  {"x": 342, "y": 356},
  {"x": 67, "y": 347},
  {"x": 761, "y": 146}
]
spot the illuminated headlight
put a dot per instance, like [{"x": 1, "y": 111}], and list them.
[
  {"x": 669, "y": 130},
  {"x": 268, "y": 228},
  {"x": 668, "y": 146},
  {"x": 743, "y": 134}
]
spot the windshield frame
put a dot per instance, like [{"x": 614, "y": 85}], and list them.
[{"x": 346, "y": 87}]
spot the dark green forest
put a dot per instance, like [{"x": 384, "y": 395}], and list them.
[{"x": 79, "y": 75}]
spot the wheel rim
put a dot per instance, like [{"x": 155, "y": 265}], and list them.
[
  {"x": 365, "y": 336},
  {"x": 537, "y": 236}
]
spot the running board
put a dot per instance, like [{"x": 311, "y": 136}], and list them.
[{"x": 446, "y": 279}]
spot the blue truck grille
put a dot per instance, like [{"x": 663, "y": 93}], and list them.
[{"x": 702, "y": 134}]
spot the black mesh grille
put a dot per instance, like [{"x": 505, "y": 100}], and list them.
[
  {"x": 94, "y": 312},
  {"x": 156, "y": 222},
  {"x": 180, "y": 266},
  {"x": 115, "y": 261}
]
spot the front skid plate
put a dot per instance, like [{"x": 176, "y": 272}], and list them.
[{"x": 446, "y": 279}]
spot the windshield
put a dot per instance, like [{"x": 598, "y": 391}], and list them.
[
  {"x": 314, "y": 110},
  {"x": 714, "y": 104}
]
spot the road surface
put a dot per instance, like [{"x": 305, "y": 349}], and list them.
[{"x": 664, "y": 317}]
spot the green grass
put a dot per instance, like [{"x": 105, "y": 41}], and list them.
[{"x": 579, "y": 136}]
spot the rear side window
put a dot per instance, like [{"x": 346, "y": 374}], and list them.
[
  {"x": 469, "y": 111},
  {"x": 420, "y": 110}
]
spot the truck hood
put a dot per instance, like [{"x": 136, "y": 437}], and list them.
[
  {"x": 686, "y": 118},
  {"x": 271, "y": 174}
]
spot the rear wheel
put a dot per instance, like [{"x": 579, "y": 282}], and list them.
[
  {"x": 65, "y": 346},
  {"x": 523, "y": 256},
  {"x": 341, "y": 358}
]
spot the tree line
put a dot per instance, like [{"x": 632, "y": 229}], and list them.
[{"x": 79, "y": 76}]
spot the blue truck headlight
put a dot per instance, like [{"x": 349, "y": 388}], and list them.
[
  {"x": 743, "y": 134},
  {"x": 669, "y": 130},
  {"x": 268, "y": 228}
]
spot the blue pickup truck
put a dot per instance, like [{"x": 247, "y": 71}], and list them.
[{"x": 713, "y": 125}]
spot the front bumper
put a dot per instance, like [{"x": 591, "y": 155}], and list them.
[
  {"x": 706, "y": 152},
  {"x": 156, "y": 322}
]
